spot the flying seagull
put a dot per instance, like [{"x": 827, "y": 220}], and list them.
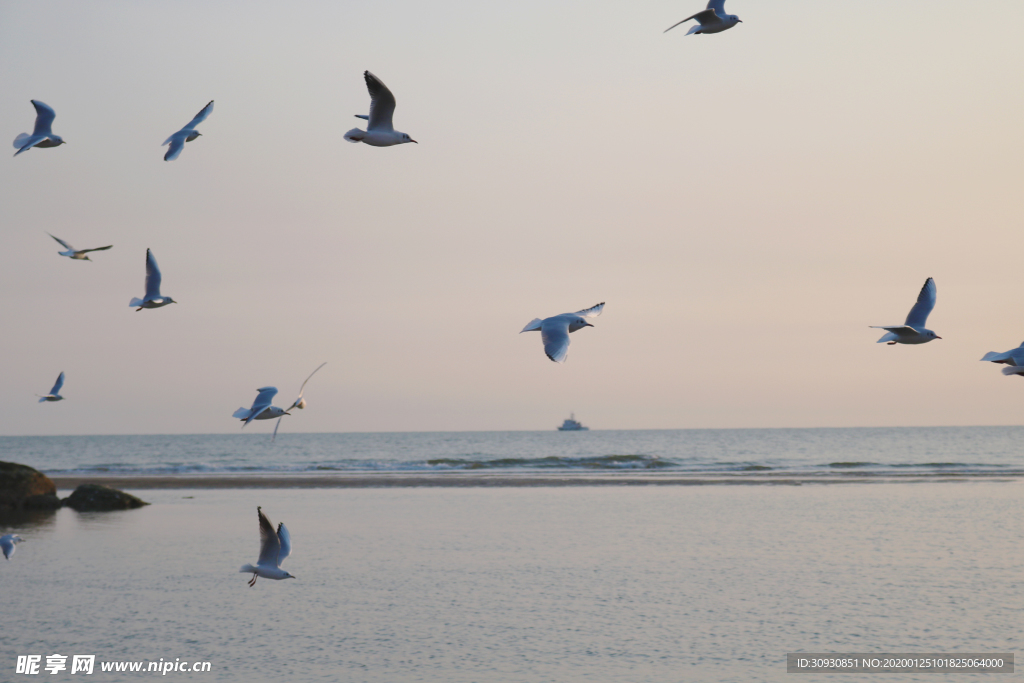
[
  {"x": 379, "y": 131},
  {"x": 554, "y": 331},
  {"x": 711, "y": 20},
  {"x": 300, "y": 402},
  {"x": 913, "y": 331},
  {"x": 275, "y": 546},
  {"x": 8, "y": 542},
  {"x": 77, "y": 254},
  {"x": 153, "y": 277},
  {"x": 54, "y": 394},
  {"x": 1013, "y": 357},
  {"x": 41, "y": 136},
  {"x": 261, "y": 408},
  {"x": 186, "y": 134}
]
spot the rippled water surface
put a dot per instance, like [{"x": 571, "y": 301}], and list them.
[{"x": 621, "y": 584}]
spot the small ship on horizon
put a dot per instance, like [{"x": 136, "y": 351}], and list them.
[{"x": 571, "y": 425}]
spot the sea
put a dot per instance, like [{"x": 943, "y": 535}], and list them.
[{"x": 471, "y": 557}]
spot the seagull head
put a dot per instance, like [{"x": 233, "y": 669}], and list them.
[
  {"x": 288, "y": 576},
  {"x": 406, "y": 138},
  {"x": 578, "y": 324},
  {"x": 171, "y": 301}
]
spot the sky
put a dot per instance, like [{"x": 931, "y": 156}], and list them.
[{"x": 747, "y": 204}]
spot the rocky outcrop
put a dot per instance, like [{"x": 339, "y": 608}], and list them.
[
  {"x": 99, "y": 498},
  {"x": 22, "y": 487}
]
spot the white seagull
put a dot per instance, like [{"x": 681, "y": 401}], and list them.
[
  {"x": 711, "y": 20},
  {"x": 153, "y": 277},
  {"x": 275, "y": 546},
  {"x": 379, "y": 130},
  {"x": 8, "y": 542},
  {"x": 1013, "y": 357},
  {"x": 913, "y": 331},
  {"x": 77, "y": 254},
  {"x": 554, "y": 331},
  {"x": 300, "y": 402},
  {"x": 54, "y": 394},
  {"x": 261, "y": 408},
  {"x": 186, "y": 134},
  {"x": 41, "y": 136}
]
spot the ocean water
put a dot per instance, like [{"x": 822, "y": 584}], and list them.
[
  {"x": 857, "y": 452},
  {"x": 523, "y": 584}
]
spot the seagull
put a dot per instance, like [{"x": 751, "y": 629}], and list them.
[
  {"x": 261, "y": 408},
  {"x": 913, "y": 331},
  {"x": 554, "y": 331},
  {"x": 711, "y": 20},
  {"x": 275, "y": 546},
  {"x": 186, "y": 134},
  {"x": 77, "y": 254},
  {"x": 300, "y": 402},
  {"x": 1013, "y": 357},
  {"x": 41, "y": 134},
  {"x": 54, "y": 394},
  {"x": 379, "y": 131},
  {"x": 8, "y": 542},
  {"x": 152, "y": 298}
]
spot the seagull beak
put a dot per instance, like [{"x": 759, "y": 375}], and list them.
[
  {"x": 938, "y": 337},
  {"x": 411, "y": 140},
  {"x": 588, "y": 324}
]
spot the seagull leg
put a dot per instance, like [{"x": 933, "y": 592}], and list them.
[
  {"x": 252, "y": 581},
  {"x": 890, "y": 343}
]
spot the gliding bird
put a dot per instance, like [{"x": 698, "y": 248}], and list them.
[
  {"x": 153, "y": 278},
  {"x": 379, "y": 130},
  {"x": 261, "y": 408},
  {"x": 275, "y": 546},
  {"x": 41, "y": 136},
  {"x": 913, "y": 331},
  {"x": 54, "y": 394},
  {"x": 77, "y": 254},
  {"x": 300, "y": 402},
  {"x": 554, "y": 331},
  {"x": 711, "y": 20},
  {"x": 186, "y": 134},
  {"x": 8, "y": 542}
]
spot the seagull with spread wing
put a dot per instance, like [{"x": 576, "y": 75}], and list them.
[
  {"x": 153, "y": 279},
  {"x": 275, "y": 546},
  {"x": 554, "y": 331},
  {"x": 77, "y": 254},
  {"x": 8, "y": 542},
  {"x": 261, "y": 407},
  {"x": 913, "y": 331},
  {"x": 42, "y": 135},
  {"x": 379, "y": 130},
  {"x": 186, "y": 134},
  {"x": 711, "y": 20},
  {"x": 54, "y": 394},
  {"x": 300, "y": 402}
]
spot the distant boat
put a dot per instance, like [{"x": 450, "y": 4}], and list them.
[{"x": 571, "y": 425}]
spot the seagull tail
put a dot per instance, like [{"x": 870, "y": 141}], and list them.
[
  {"x": 532, "y": 326},
  {"x": 355, "y": 135},
  {"x": 136, "y": 302},
  {"x": 19, "y": 141},
  {"x": 887, "y": 337},
  {"x": 1013, "y": 370},
  {"x": 247, "y": 569},
  {"x": 42, "y": 399},
  {"x": 241, "y": 413}
]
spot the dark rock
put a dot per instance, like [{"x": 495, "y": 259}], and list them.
[
  {"x": 20, "y": 482},
  {"x": 99, "y": 498},
  {"x": 49, "y": 501}
]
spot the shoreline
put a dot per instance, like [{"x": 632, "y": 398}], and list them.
[{"x": 459, "y": 480}]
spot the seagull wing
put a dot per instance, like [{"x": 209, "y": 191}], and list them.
[
  {"x": 7, "y": 545},
  {"x": 177, "y": 144},
  {"x": 57, "y": 385},
  {"x": 382, "y": 104},
  {"x": 153, "y": 277},
  {"x": 62, "y": 243},
  {"x": 285, "y": 539},
  {"x": 273, "y": 437},
  {"x": 896, "y": 329},
  {"x": 302, "y": 389},
  {"x": 591, "y": 312},
  {"x": 718, "y": 6},
  {"x": 262, "y": 402},
  {"x": 44, "y": 118},
  {"x": 554, "y": 332},
  {"x": 200, "y": 117},
  {"x": 82, "y": 251},
  {"x": 918, "y": 316},
  {"x": 703, "y": 17},
  {"x": 270, "y": 544}
]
